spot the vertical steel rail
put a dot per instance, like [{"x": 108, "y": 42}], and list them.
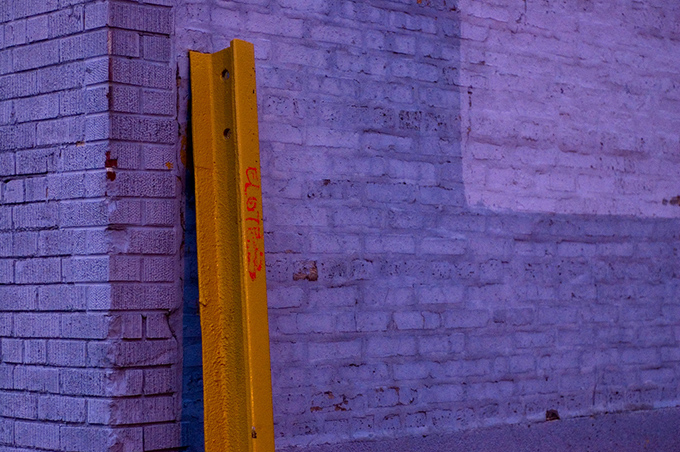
[{"x": 231, "y": 272}]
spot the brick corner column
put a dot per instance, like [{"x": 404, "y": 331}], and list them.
[{"x": 89, "y": 227}]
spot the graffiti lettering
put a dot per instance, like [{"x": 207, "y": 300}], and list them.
[{"x": 254, "y": 230}]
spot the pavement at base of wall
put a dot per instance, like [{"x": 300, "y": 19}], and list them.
[{"x": 652, "y": 430}]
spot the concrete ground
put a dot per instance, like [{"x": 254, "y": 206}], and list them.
[{"x": 654, "y": 431}]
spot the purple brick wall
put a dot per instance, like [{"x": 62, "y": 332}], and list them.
[
  {"x": 578, "y": 117},
  {"x": 89, "y": 221},
  {"x": 426, "y": 274},
  {"x": 144, "y": 212},
  {"x": 405, "y": 298}
]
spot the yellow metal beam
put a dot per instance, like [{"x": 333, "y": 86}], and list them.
[{"x": 232, "y": 286}]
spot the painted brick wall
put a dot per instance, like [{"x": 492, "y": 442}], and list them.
[
  {"x": 144, "y": 216},
  {"x": 404, "y": 298},
  {"x": 407, "y": 295},
  {"x": 54, "y": 217},
  {"x": 572, "y": 107},
  {"x": 88, "y": 227}
]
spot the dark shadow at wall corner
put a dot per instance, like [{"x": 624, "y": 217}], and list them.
[{"x": 192, "y": 367}]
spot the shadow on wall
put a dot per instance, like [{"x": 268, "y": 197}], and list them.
[
  {"x": 395, "y": 307},
  {"x": 192, "y": 372}
]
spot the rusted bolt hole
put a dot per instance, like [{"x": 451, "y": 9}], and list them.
[
  {"x": 225, "y": 74},
  {"x": 227, "y": 134}
]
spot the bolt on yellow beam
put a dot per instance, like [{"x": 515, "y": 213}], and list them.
[{"x": 231, "y": 272}]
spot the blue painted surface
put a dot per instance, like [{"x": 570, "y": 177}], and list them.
[{"x": 192, "y": 366}]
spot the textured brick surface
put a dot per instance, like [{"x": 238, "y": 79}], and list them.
[
  {"x": 405, "y": 145},
  {"x": 66, "y": 237},
  {"x": 47, "y": 250},
  {"x": 457, "y": 202},
  {"x": 145, "y": 209},
  {"x": 557, "y": 139}
]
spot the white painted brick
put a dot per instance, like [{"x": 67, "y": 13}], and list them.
[
  {"x": 37, "y": 107},
  {"x": 337, "y": 35},
  {"x": 57, "y": 408},
  {"x": 33, "y": 378},
  {"x": 277, "y": 26},
  {"x": 144, "y": 353},
  {"x": 35, "y": 352},
  {"x": 334, "y": 350},
  {"x": 15, "y": 32},
  {"x": 317, "y": 6},
  {"x": 34, "y": 434},
  {"x": 162, "y": 436},
  {"x": 157, "y": 326},
  {"x": 396, "y": 346},
  {"x": 141, "y": 17},
  {"x": 94, "y": 438},
  {"x": 6, "y": 160},
  {"x": 124, "y": 43},
  {"x": 79, "y": 382},
  {"x": 12, "y": 350},
  {"x": 35, "y": 189},
  {"x": 158, "y": 156},
  {"x": 13, "y": 191},
  {"x": 61, "y": 297},
  {"x": 18, "y": 405},
  {"x": 372, "y": 321},
  {"x": 123, "y": 268},
  {"x": 408, "y": 320},
  {"x": 285, "y": 297},
  {"x": 84, "y": 326},
  {"x": 36, "y": 28},
  {"x": 156, "y": 48},
  {"x": 36, "y": 325},
  {"x": 390, "y": 244},
  {"x": 443, "y": 246},
  {"x": 38, "y": 270},
  {"x": 159, "y": 381},
  {"x": 66, "y": 353},
  {"x": 126, "y": 382}
]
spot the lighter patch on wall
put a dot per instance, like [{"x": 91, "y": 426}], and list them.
[{"x": 574, "y": 111}]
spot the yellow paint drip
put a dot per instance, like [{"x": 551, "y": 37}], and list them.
[{"x": 232, "y": 285}]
